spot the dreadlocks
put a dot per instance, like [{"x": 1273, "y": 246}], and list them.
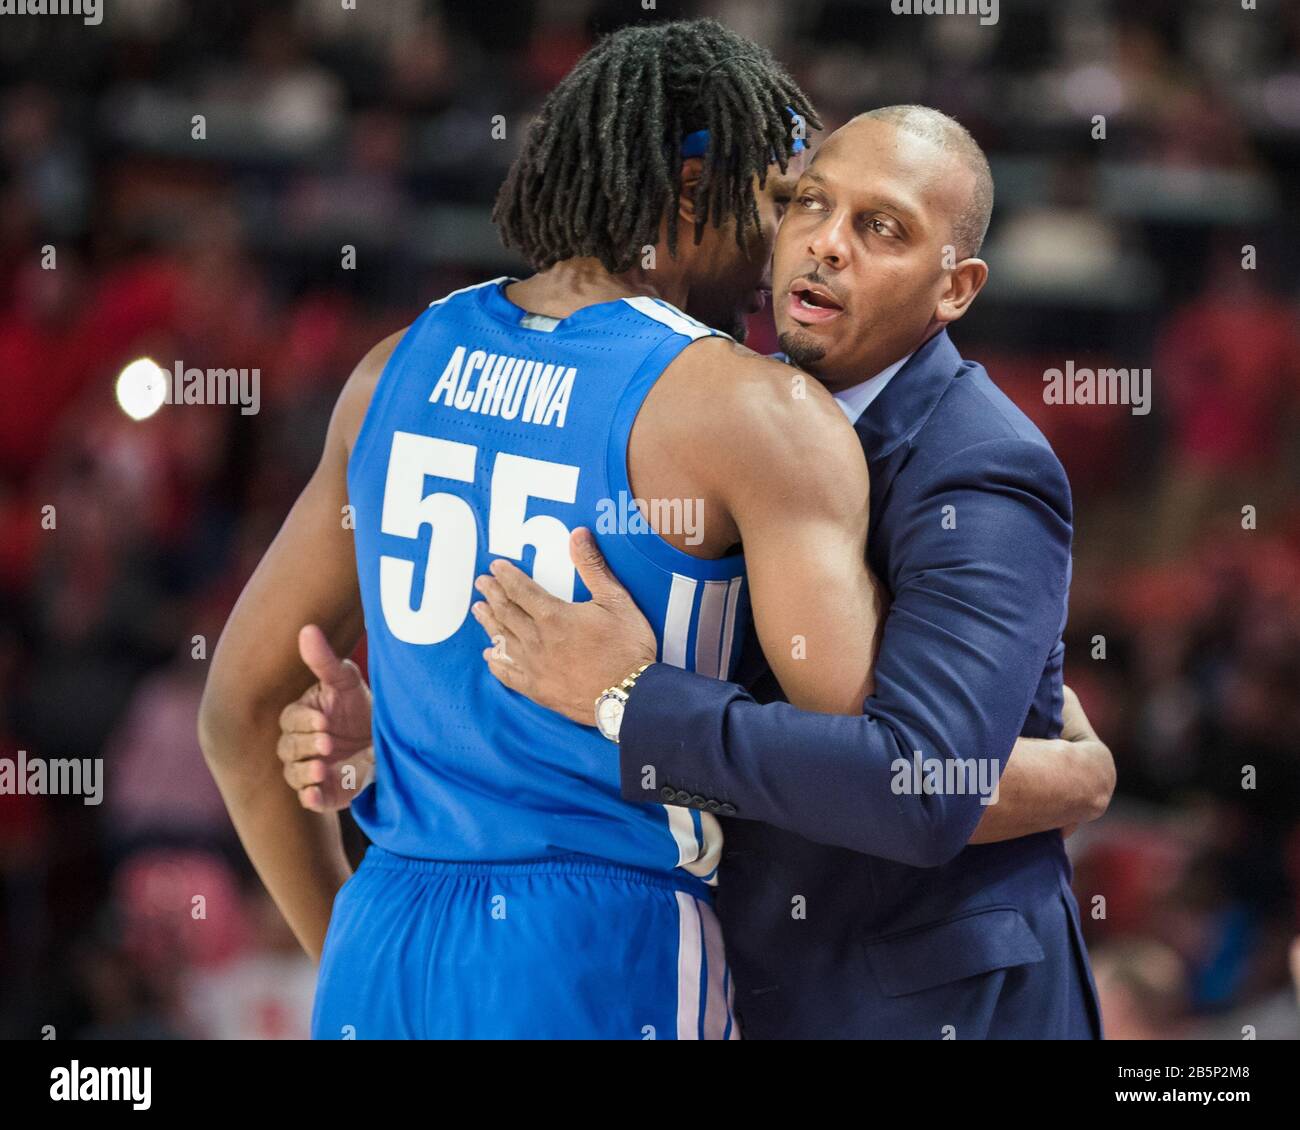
[{"x": 601, "y": 161}]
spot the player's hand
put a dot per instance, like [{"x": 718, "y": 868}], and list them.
[
  {"x": 325, "y": 742},
  {"x": 1076, "y": 728},
  {"x": 563, "y": 655}
]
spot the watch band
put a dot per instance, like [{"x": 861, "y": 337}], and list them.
[{"x": 628, "y": 683}]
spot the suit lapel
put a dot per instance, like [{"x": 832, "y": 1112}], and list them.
[{"x": 897, "y": 414}]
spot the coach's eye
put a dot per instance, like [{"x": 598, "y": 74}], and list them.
[{"x": 808, "y": 203}]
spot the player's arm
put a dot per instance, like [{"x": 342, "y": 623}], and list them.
[
  {"x": 789, "y": 472},
  {"x": 308, "y": 576}
]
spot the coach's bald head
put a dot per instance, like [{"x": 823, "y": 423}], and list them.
[{"x": 971, "y": 223}]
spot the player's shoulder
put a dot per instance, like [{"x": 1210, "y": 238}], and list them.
[
  {"x": 757, "y": 398},
  {"x": 354, "y": 399},
  {"x": 758, "y": 421}
]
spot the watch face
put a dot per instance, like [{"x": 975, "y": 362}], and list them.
[{"x": 609, "y": 716}]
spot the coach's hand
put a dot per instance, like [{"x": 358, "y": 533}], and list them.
[
  {"x": 325, "y": 740},
  {"x": 563, "y": 655}
]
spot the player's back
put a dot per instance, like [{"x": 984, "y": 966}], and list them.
[{"x": 494, "y": 433}]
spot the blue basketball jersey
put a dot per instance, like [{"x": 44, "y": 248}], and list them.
[{"x": 491, "y": 433}]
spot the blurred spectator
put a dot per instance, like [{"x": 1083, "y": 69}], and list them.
[
  {"x": 159, "y": 789},
  {"x": 1141, "y": 988},
  {"x": 264, "y": 992}
]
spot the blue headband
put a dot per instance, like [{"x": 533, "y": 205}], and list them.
[{"x": 697, "y": 144}]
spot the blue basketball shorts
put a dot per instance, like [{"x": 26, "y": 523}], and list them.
[{"x": 565, "y": 948}]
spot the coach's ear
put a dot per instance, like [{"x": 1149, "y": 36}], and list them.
[
  {"x": 692, "y": 172},
  {"x": 965, "y": 281}
]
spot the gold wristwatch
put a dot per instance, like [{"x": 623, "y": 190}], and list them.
[{"x": 611, "y": 704}]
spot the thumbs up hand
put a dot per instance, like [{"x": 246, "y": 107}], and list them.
[{"x": 325, "y": 744}]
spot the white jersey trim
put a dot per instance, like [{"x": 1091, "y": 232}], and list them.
[
  {"x": 467, "y": 289},
  {"x": 690, "y": 966},
  {"x": 668, "y": 315}
]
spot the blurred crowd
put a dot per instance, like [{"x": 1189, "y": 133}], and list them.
[{"x": 1165, "y": 243}]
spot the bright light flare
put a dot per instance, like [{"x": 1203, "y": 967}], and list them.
[{"x": 141, "y": 388}]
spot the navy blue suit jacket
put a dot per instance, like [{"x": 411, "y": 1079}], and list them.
[{"x": 848, "y": 909}]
